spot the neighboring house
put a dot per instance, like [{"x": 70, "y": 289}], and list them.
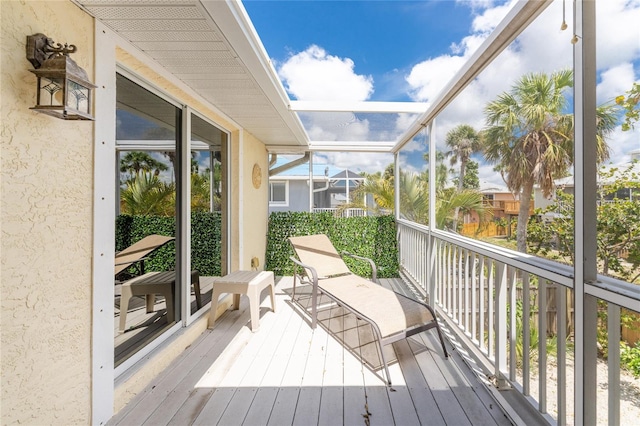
[
  {"x": 289, "y": 189},
  {"x": 503, "y": 205},
  {"x": 566, "y": 185}
]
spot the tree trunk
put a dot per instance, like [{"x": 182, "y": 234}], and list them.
[
  {"x": 460, "y": 186},
  {"x": 523, "y": 216}
]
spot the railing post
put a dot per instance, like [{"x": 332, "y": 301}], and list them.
[
  {"x": 542, "y": 345},
  {"x": 526, "y": 333},
  {"x": 561, "y": 321},
  {"x": 501, "y": 325},
  {"x": 432, "y": 270},
  {"x": 491, "y": 348},
  {"x": 613, "y": 364},
  {"x": 474, "y": 298},
  {"x": 481, "y": 303},
  {"x": 512, "y": 323}
]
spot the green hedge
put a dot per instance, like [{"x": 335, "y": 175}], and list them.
[
  {"x": 370, "y": 236},
  {"x": 206, "y": 240}
]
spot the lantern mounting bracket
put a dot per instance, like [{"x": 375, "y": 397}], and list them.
[{"x": 40, "y": 48}]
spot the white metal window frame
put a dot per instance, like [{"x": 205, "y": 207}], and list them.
[{"x": 274, "y": 203}]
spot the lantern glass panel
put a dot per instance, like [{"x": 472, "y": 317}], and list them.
[
  {"x": 51, "y": 91},
  {"x": 77, "y": 97}
]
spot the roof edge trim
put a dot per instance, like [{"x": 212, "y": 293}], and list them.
[
  {"x": 234, "y": 23},
  {"x": 369, "y": 106}
]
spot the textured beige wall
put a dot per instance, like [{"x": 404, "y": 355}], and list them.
[
  {"x": 46, "y": 226},
  {"x": 256, "y": 205}
]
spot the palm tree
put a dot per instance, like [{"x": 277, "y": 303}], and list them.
[
  {"x": 414, "y": 199},
  {"x": 135, "y": 161},
  {"x": 530, "y": 137},
  {"x": 463, "y": 141},
  {"x": 146, "y": 194},
  {"x": 442, "y": 171},
  {"x": 450, "y": 201}
]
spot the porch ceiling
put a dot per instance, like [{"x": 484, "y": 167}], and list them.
[{"x": 212, "y": 47}]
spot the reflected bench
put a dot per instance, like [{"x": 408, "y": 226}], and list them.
[{"x": 149, "y": 285}]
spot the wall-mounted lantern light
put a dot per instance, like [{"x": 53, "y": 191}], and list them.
[{"x": 63, "y": 89}]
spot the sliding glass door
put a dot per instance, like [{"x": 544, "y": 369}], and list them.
[{"x": 169, "y": 215}]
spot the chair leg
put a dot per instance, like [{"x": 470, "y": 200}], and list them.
[
  {"x": 444, "y": 348},
  {"x": 195, "y": 281},
  {"x": 273, "y": 296},
  {"x": 168, "y": 300},
  {"x": 254, "y": 306},
  {"x": 214, "y": 307},
  {"x": 125, "y": 296},
  {"x": 384, "y": 362},
  {"x": 150, "y": 300}
]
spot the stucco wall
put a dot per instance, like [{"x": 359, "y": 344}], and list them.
[
  {"x": 46, "y": 226},
  {"x": 255, "y": 209}
]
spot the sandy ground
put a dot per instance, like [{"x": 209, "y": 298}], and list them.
[{"x": 629, "y": 394}]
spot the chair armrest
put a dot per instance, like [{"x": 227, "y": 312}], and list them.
[
  {"x": 374, "y": 269},
  {"x": 311, "y": 271},
  {"x": 142, "y": 259}
]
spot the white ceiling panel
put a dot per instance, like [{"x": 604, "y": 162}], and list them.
[
  {"x": 175, "y": 36},
  {"x": 212, "y": 47}
]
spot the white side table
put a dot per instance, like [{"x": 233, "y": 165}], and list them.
[{"x": 250, "y": 283}]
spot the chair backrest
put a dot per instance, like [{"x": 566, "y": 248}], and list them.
[
  {"x": 139, "y": 250},
  {"x": 319, "y": 252}
]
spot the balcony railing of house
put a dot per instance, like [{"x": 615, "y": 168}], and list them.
[
  {"x": 342, "y": 212},
  {"x": 509, "y": 207},
  {"x": 488, "y": 296}
]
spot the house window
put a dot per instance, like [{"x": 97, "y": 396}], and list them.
[{"x": 278, "y": 193}]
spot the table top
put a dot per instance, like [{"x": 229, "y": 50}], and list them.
[{"x": 241, "y": 276}]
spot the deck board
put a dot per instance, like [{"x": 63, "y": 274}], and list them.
[{"x": 286, "y": 373}]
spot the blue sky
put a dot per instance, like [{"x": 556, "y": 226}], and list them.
[
  {"x": 366, "y": 32},
  {"x": 408, "y": 50}
]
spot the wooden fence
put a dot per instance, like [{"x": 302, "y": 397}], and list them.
[
  {"x": 490, "y": 229},
  {"x": 630, "y": 334}
]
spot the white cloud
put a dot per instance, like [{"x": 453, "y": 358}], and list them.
[
  {"x": 366, "y": 162},
  {"x": 618, "y": 32},
  {"x": 621, "y": 143},
  {"x": 489, "y": 177},
  {"x": 314, "y": 75},
  {"x": 491, "y": 17},
  {"x": 614, "y": 82},
  {"x": 428, "y": 78}
]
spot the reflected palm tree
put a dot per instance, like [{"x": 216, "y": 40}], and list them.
[{"x": 145, "y": 194}]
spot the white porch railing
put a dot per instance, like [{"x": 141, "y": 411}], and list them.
[
  {"x": 342, "y": 213},
  {"x": 474, "y": 286}
]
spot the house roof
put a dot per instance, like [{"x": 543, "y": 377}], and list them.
[
  {"x": 320, "y": 172},
  {"x": 214, "y": 49},
  {"x": 487, "y": 187}
]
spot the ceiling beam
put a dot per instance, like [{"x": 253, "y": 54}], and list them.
[{"x": 347, "y": 106}]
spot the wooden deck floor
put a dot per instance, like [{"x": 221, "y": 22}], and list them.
[{"x": 288, "y": 374}]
